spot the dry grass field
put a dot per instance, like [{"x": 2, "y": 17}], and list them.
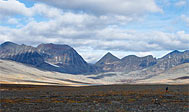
[{"x": 111, "y": 98}]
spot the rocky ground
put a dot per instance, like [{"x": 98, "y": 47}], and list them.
[{"x": 113, "y": 98}]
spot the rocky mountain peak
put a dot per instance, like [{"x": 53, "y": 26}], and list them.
[
  {"x": 14, "y": 49},
  {"x": 108, "y": 54},
  {"x": 65, "y": 57},
  {"x": 8, "y": 43},
  {"x": 107, "y": 59},
  {"x": 172, "y": 54},
  {"x": 111, "y": 56},
  {"x": 133, "y": 62},
  {"x": 173, "y": 59},
  {"x": 60, "y": 54},
  {"x": 54, "y": 47},
  {"x": 130, "y": 57},
  {"x": 175, "y": 52},
  {"x": 20, "y": 53}
]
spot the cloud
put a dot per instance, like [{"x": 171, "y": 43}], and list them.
[
  {"x": 100, "y": 41},
  {"x": 90, "y": 26},
  {"x": 111, "y": 16},
  {"x": 79, "y": 35},
  {"x": 185, "y": 19},
  {"x": 13, "y": 7},
  {"x": 45, "y": 10},
  {"x": 106, "y": 7},
  {"x": 180, "y": 3},
  {"x": 87, "y": 32},
  {"x": 13, "y": 21},
  {"x": 120, "y": 8}
]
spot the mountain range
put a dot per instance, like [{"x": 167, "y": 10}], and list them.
[
  {"x": 110, "y": 63},
  {"x": 64, "y": 59},
  {"x": 50, "y": 57}
]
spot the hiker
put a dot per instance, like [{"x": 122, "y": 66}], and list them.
[{"x": 167, "y": 89}]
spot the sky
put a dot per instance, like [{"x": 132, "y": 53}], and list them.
[{"x": 95, "y": 27}]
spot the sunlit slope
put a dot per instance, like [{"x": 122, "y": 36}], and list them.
[
  {"x": 17, "y": 73},
  {"x": 176, "y": 75}
]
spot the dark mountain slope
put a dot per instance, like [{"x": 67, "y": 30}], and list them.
[
  {"x": 25, "y": 54},
  {"x": 132, "y": 63},
  {"x": 108, "y": 62},
  {"x": 164, "y": 64},
  {"x": 173, "y": 59},
  {"x": 20, "y": 53},
  {"x": 65, "y": 57},
  {"x": 107, "y": 59}
]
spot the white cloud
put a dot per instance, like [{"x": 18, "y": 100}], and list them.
[
  {"x": 13, "y": 7},
  {"x": 104, "y": 7},
  {"x": 103, "y": 38},
  {"x": 10, "y": 8},
  {"x": 109, "y": 12},
  {"x": 99, "y": 40},
  {"x": 89, "y": 31},
  {"x": 180, "y": 3},
  {"x": 185, "y": 19},
  {"x": 45, "y": 10},
  {"x": 13, "y": 21}
]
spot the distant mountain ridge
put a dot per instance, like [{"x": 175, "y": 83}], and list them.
[
  {"x": 133, "y": 63},
  {"x": 126, "y": 64},
  {"x": 63, "y": 58},
  {"x": 20, "y": 53},
  {"x": 53, "y": 57}
]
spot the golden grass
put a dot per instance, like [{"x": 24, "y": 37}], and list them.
[{"x": 105, "y": 97}]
